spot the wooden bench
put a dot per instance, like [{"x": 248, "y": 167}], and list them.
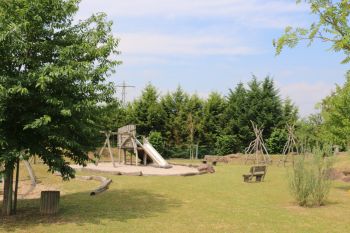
[{"x": 259, "y": 171}]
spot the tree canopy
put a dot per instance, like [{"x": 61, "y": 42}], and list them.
[
  {"x": 220, "y": 124},
  {"x": 331, "y": 26},
  {"x": 53, "y": 74}
]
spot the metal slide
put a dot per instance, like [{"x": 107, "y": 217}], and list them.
[{"x": 153, "y": 154}]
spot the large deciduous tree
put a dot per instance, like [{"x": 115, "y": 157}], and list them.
[
  {"x": 335, "y": 110},
  {"x": 332, "y": 26},
  {"x": 53, "y": 73}
]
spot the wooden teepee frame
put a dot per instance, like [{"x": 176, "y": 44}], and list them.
[
  {"x": 107, "y": 144},
  {"x": 290, "y": 149},
  {"x": 256, "y": 151}
]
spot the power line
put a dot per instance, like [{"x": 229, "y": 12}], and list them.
[{"x": 124, "y": 86}]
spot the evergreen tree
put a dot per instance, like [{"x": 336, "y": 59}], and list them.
[
  {"x": 213, "y": 119},
  {"x": 236, "y": 117},
  {"x": 146, "y": 112},
  {"x": 289, "y": 112},
  {"x": 174, "y": 104},
  {"x": 260, "y": 103},
  {"x": 194, "y": 110}
]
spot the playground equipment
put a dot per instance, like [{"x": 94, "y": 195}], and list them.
[
  {"x": 32, "y": 177},
  {"x": 127, "y": 141},
  {"x": 291, "y": 147},
  {"x": 107, "y": 144},
  {"x": 256, "y": 151}
]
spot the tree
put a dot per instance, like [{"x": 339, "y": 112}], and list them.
[
  {"x": 156, "y": 139},
  {"x": 331, "y": 26},
  {"x": 147, "y": 113},
  {"x": 260, "y": 103},
  {"x": 53, "y": 74},
  {"x": 335, "y": 110},
  {"x": 289, "y": 112},
  {"x": 194, "y": 111},
  {"x": 113, "y": 116},
  {"x": 175, "y": 104},
  {"x": 226, "y": 144},
  {"x": 213, "y": 118},
  {"x": 277, "y": 141},
  {"x": 309, "y": 132}
]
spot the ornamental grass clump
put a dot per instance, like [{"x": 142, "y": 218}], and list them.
[{"x": 309, "y": 179}]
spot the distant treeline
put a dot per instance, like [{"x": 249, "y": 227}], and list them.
[{"x": 221, "y": 123}]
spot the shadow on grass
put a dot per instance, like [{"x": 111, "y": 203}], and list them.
[{"x": 81, "y": 208}]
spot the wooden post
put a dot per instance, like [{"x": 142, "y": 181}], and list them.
[
  {"x": 49, "y": 202},
  {"x": 144, "y": 158}
]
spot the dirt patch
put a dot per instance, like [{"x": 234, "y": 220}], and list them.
[
  {"x": 122, "y": 169},
  {"x": 24, "y": 186},
  {"x": 339, "y": 174}
]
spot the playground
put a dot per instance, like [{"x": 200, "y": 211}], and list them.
[
  {"x": 219, "y": 202},
  {"x": 135, "y": 158}
]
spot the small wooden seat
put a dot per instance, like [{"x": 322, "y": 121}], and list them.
[{"x": 257, "y": 171}]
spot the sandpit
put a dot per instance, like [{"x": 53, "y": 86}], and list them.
[{"x": 121, "y": 169}]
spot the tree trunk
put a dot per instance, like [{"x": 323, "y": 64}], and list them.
[
  {"x": 8, "y": 192},
  {"x": 14, "y": 210},
  {"x": 49, "y": 202}
]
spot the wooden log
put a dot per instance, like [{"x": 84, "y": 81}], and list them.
[
  {"x": 105, "y": 182},
  {"x": 132, "y": 173},
  {"x": 206, "y": 168},
  {"x": 103, "y": 187},
  {"x": 49, "y": 202}
]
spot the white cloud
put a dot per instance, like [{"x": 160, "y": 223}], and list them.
[
  {"x": 194, "y": 45},
  {"x": 257, "y": 13},
  {"x": 306, "y": 95}
]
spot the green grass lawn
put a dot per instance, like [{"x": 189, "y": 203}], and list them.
[{"x": 218, "y": 202}]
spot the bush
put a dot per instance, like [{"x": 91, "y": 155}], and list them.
[
  {"x": 277, "y": 141},
  {"x": 309, "y": 181},
  {"x": 226, "y": 144},
  {"x": 156, "y": 139}
]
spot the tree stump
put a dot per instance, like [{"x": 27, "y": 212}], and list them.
[{"x": 49, "y": 202}]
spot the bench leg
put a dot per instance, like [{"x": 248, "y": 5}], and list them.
[
  {"x": 246, "y": 178},
  {"x": 258, "y": 178}
]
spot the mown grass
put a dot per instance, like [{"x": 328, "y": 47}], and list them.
[{"x": 218, "y": 202}]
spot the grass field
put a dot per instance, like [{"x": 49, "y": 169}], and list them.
[{"x": 218, "y": 202}]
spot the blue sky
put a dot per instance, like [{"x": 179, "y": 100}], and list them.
[{"x": 211, "y": 45}]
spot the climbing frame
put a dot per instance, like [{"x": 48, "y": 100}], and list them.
[
  {"x": 290, "y": 149},
  {"x": 256, "y": 151}
]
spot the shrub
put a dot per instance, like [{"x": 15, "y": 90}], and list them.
[
  {"x": 156, "y": 139},
  {"x": 309, "y": 181},
  {"x": 277, "y": 140},
  {"x": 225, "y": 144}
]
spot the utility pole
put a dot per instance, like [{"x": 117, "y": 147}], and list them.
[{"x": 124, "y": 86}]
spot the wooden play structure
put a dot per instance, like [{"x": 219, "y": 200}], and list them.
[
  {"x": 107, "y": 145},
  {"x": 32, "y": 177},
  {"x": 290, "y": 149},
  {"x": 127, "y": 142},
  {"x": 130, "y": 150},
  {"x": 256, "y": 151}
]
